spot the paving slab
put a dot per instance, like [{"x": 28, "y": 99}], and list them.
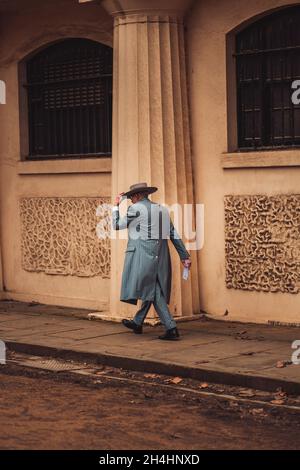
[
  {"x": 223, "y": 352},
  {"x": 89, "y": 332}
]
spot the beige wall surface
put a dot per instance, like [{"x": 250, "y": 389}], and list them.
[
  {"x": 21, "y": 32},
  {"x": 208, "y": 24}
]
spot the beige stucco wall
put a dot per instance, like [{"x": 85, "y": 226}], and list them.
[
  {"x": 21, "y": 32},
  {"x": 208, "y": 24},
  {"x": 207, "y": 27}
]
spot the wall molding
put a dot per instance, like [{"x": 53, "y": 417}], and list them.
[
  {"x": 263, "y": 159},
  {"x": 66, "y": 166}
]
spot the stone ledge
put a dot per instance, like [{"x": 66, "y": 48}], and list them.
[
  {"x": 263, "y": 159},
  {"x": 85, "y": 165}
]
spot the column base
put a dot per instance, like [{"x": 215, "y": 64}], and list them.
[
  {"x": 3, "y": 295},
  {"x": 106, "y": 316}
]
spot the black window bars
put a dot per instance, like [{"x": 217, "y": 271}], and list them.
[
  {"x": 69, "y": 87},
  {"x": 267, "y": 63}
]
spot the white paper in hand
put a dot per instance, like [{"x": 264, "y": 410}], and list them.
[{"x": 185, "y": 274}]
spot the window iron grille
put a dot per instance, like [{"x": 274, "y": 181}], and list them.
[
  {"x": 267, "y": 63},
  {"x": 69, "y": 89}
]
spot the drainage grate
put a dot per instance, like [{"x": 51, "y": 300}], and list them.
[{"x": 48, "y": 364}]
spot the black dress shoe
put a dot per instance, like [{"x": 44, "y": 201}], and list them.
[
  {"x": 170, "y": 335},
  {"x": 137, "y": 329}
]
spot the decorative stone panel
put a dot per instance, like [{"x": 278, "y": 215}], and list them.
[
  {"x": 262, "y": 236},
  {"x": 58, "y": 236}
]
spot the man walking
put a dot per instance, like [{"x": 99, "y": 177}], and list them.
[{"x": 147, "y": 266}]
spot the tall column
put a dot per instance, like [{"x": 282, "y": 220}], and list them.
[{"x": 151, "y": 140}]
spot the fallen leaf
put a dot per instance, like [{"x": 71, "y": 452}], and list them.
[
  {"x": 247, "y": 393},
  {"x": 277, "y": 402},
  {"x": 176, "y": 380},
  {"x": 285, "y": 363},
  {"x": 258, "y": 411},
  {"x": 280, "y": 395},
  {"x": 204, "y": 385},
  {"x": 150, "y": 376}
]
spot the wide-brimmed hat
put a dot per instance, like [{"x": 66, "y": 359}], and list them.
[{"x": 140, "y": 188}]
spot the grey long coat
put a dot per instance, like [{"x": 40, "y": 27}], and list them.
[{"x": 147, "y": 255}]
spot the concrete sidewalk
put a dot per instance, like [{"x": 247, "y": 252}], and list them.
[{"x": 222, "y": 352}]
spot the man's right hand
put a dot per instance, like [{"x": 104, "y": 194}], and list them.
[{"x": 118, "y": 199}]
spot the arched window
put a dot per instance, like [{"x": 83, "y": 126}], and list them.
[
  {"x": 268, "y": 61},
  {"x": 69, "y": 97}
]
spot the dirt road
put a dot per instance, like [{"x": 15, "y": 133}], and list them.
[{"x": 43, "y": 410}]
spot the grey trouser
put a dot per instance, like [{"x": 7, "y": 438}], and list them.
[{"x": 160, "y": 306}]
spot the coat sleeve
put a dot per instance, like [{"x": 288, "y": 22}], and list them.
[
  {"x": 178, "y": 243},
  {"x": 120, "y": 223}
]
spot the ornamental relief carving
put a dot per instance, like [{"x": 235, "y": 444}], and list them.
[
  {"x": 262, "y": 243},
  {"x": 58, "y": 236}
]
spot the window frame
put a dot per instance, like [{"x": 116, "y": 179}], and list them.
[
  {"x": 24, "y": 111},
  {"x": 232, "y": 90}
]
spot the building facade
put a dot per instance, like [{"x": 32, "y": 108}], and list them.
[{"x": 194, "y": 97}]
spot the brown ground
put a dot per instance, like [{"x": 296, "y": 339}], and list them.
[{"x": 42, "y": 410}]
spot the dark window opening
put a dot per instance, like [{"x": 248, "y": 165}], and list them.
[
  {"x": 268, "y": 61},
  {"x": 69, "y": 90}
]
